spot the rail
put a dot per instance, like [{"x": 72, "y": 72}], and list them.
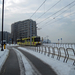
[{"x": 65, "y": 51}]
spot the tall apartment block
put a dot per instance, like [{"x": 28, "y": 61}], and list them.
[
  {"x": 23, "y": 29},
  {"x": 14, "y": 31}
]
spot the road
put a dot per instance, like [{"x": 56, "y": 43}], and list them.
[
  {"x": 11, "y": 66},
  {"x": 42, "y": 67}
]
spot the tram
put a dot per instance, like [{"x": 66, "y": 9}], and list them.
[{"x": 26, "y": 41}]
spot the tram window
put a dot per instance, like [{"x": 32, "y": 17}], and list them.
[
  {"x": 23, "y": 41},
  {"x": 32, "y": 39},
  {"x": 37, "y": 39},
  {"x": 28, "y": 40},
  {"x": 18, "y": 40}
]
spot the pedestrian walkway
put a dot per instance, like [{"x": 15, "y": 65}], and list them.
[
  {"x": 11, "y": 66},
  {"x": 42, "y": 67}
]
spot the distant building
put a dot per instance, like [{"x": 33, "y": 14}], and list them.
[
  {"x": 6, "y": 36},
  {"x": 21, "y": 29},
  {"x": 46, "y": 41}
]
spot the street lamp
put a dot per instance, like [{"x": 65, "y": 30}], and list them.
[{"x": 2, "y": 23}]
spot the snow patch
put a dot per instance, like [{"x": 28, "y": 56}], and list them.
[
  {"x": 21, "y": 65},
  {"x": 3, "y": 57},
  {"x": 59, "y": 67},
  {"x": 28, "y": 68}
]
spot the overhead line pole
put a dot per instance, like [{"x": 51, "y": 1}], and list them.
[{"x": 2, "y": 22}]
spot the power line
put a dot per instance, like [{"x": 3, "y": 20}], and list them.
[
  {"x": 59, "y": 19},
  {"x": 38, "y": 8},
  {"x": 57, "y": 11},
  {"x": 60, "y": 13},
  {"x": 49, "y": 9}
]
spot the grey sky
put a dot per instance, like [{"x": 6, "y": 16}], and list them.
[{"x": 18, "y": 10}]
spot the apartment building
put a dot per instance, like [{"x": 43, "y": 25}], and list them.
[
  {"x": 23, "y": 29},
  {"x": 14, "y": 31}
]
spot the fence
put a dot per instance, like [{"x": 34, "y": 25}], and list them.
[{"x": 65, "y": 51}]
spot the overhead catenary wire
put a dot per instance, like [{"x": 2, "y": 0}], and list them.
[
  {"x": 56, "y": 12},
  {"x": 58, "y": 19},
  {"x": 48, "y": 9},
  {"x": 59, "y": 14},
  {"x": 38, "y": 8}
]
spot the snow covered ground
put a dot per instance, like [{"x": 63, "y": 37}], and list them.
[
  {"x": 59, "y": 67},
  {"x": 28, "y": 68},
  {"x": 3, "y": 57}
]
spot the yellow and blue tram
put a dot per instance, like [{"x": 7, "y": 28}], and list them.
[{"x": 26, "y": 41}]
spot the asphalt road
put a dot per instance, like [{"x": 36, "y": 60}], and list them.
[
  {"x": 42, "y": 67},
  {"x": 11, "y": 66}
]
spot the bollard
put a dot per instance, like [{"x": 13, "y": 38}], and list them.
[{"x": 4, "y": 46}]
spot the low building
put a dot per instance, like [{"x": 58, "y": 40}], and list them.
[
  {"x": 46, "y": 41},
  {"x": 6, "y": 36}
]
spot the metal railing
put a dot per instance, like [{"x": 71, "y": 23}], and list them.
[{"x": 66, "y": 51}]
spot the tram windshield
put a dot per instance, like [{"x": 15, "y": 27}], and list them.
[{"x": 37, "y": 39}]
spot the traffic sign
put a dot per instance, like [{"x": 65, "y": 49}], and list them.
[{"x": 58, "y": 39}]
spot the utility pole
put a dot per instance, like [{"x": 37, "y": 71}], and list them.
[
  {"x": 30, "y": 33},
  {"x": 2, "y": 22}
]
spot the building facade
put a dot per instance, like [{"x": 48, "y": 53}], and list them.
[
  {"x": 23, "y": 29},
  {"x": 14, "y": 31},
  {"x": 6, "y": 36}
]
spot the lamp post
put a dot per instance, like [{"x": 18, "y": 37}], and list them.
[{"x": 2, "y": 22}]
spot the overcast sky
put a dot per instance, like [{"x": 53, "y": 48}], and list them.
[{"x": 58, "y": 22}]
